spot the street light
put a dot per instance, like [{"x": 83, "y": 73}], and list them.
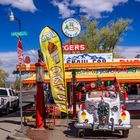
[{"x": 13, "y": 18}]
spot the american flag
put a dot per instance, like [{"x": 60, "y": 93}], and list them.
[{"x": 20, "y": 51}]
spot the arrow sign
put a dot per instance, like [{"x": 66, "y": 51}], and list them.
[{"x": 23, "y": 33}]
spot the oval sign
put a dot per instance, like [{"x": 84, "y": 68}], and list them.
[{"x": 71, "y": 27}]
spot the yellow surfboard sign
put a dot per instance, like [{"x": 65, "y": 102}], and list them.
[{"x": 51, "y": 48}]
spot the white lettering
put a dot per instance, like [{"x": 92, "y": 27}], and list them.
[
  {"x": 71, "y": 48},
  {"x": 47, "y": 36},
  {"x": 61, "y": 97},
  {"x": 57, "y": 78},
  {"x": 74, "y": 47},
  {"x": 82, "y": 47}
]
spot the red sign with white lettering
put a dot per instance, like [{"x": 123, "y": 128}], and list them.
[
  {"x": 129, "y": 60},
  {"x": 74, "y": 47}
]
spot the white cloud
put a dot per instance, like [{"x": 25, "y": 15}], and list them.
[
  {"x": 64, "y": 10},
  {"x": 129, "y": 51},
  {"x": 25, "y": 5},
  {"x": 9, "y": 60},
  {"x": 137, "y": 0},
  {"x": 93, "y": 8}
]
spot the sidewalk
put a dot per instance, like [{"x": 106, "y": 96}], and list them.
[
  {"x": 8, "y": 124},
  {"x": 60, "y": 131}
]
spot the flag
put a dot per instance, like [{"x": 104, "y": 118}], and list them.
[
  {"x": 51, "y": 48},
  {"x": 20, "y": 51}
]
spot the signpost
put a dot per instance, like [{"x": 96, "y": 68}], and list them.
[
  {"x": 71, "y": 28},
  {"x": 20, "y": 60}
]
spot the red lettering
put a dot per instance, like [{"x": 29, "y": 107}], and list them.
[
  {"x": 129, "y": 60},
  {"x": 122, "y": 60}
]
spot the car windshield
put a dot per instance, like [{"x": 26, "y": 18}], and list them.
[
  {"x": 96, "y": 94},
  {"x": 3, "y": 92}
]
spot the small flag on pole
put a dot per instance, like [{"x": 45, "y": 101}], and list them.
[{"x": 20, "y": 51}]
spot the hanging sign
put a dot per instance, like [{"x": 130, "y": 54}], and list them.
[
  {"x": 71, "y": 27},
  {"x": 51, "y": 48}
]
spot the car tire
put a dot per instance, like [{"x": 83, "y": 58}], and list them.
[
  {"x": 81, "y": 133},
  {"x": 16, "y": 107},
  {"x": 125, "y": 133},
  {"x": 7, "y": 110}
]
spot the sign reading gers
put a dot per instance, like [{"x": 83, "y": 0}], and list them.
[
  {"x": 74, "y": 47},
  {"x": 71, "y": 27}
]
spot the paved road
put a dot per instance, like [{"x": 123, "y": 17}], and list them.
[
  {"x": 63, "y": 132},
  {"x": 8, "y": 124},
  {"x": 11, "y": 122}
]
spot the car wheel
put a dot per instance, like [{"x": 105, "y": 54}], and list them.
[
  {"x": 125, "y": 133},
  {"x": 7, "y": 109},
  {"x": 16, "y": 107},
  {"x": 81, "y": 133}
]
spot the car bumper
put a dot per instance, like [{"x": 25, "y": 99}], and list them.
[{"x": 102, "y": 127}]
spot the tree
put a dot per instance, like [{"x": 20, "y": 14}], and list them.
[
  {"x": 3, "y": 76},
  {"x": 101, "y": 40},
  {"x": 114, "y": 34},
  {"x": 17, "y": 84}
]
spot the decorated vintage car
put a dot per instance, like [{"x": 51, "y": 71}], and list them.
[{"x": 103, "y": 111}]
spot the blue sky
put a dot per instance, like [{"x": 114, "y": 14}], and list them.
[{"x": 36, "y": 14}]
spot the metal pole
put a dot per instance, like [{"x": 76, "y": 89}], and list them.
[
  {"x": 74, "y": 93},
  {"x": 19, "y": 23},
  {"x": 71, "y": 44},
  {"x": 21, "y": 102},
  {"x": 12, "y": 17},
  {"x": 21, "y": 107},
  {"x": 73, "y": 88}
]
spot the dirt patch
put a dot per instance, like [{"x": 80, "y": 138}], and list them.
[{"x": 37, "y": 134}]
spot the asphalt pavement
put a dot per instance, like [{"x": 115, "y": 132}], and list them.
[
  {"x": 11, "y": 123},
  {"x": 64, "y": 129}
]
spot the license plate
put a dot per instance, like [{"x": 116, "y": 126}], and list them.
[{"x": 103, "y": 127}]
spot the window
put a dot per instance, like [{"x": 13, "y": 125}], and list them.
[
  {"x": 14, "y": 93},
  {"x": 3, "y": 92},
  {"x": 11, "y": 93}
]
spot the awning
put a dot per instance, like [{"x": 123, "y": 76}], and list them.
[
  {"x": 120, "y": 77},
  {"x": 128, "y": 77}
]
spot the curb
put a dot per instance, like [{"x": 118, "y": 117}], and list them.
[
  {"x": 10, "y": 137},
  {"x": 17, "y": 135}
]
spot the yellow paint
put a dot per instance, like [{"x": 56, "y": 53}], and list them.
[
  {"x": 83, "y": 114},
  {"x": 51, "y": 48},
  {"x": 123, "y": 117}
]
